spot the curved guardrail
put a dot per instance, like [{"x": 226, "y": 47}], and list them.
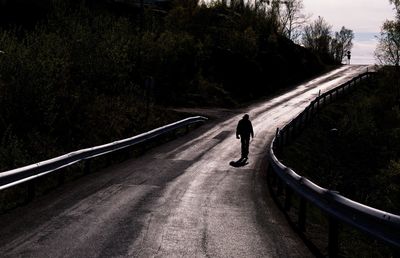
[
  {"x": 20, "y": 175},
  {"x": 285, "y": 182}
]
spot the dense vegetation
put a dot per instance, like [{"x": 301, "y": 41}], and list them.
[
  {"x": 76, "y": 76},
  {"x": 388, "y": 49},
  {"x": 362, "y": 161}
]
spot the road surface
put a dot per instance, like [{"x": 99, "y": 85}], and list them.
[{"x": 181, "y": 199}]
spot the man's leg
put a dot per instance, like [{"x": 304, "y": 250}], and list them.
[
  {"x": 243, "y": 141},
  {"x": 245, "y": 147}
]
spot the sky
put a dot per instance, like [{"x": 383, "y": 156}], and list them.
[{"x": 364, "y": 17}]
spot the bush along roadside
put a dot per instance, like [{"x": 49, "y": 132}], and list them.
[{"x": 360, "y": 158}]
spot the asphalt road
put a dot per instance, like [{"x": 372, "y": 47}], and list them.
[{"x": 181, "y": 199}]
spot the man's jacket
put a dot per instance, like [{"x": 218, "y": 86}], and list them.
[{"x": 244, "y": 128}]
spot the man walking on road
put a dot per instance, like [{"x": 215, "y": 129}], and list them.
[{"x": 244, "y": 130}]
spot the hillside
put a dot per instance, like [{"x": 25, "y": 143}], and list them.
[{"x": 77, "y": 75}]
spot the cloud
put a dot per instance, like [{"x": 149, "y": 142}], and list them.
[
  {"x": 363, "y": 49},
  {"x": 358, "y": 15}
]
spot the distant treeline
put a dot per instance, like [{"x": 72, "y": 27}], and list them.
[{"x": 85, "y": 73}]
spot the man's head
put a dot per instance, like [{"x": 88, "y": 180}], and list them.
[{"x": 246, "y": 117}]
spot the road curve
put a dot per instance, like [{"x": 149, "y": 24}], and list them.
[{"x": 179, "y": 199}]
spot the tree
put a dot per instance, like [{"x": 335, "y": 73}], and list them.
[
  {"x": 396, "y": 6},
  {"x": 237, "y": 4},
  {"x": 388, "y": 49},
  {"x": 274, "y": 11},
  {"x": 317, "y": 36},
  {"x": 292, "y": 19},
  {"x": 341, "y": 43}
]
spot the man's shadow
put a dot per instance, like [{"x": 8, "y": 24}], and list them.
[{"x": 239, "y": 163}]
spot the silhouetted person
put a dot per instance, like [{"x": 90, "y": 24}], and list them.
[
  {"x": 348, "y": 57},
  {"x": 244, "y": 130}
]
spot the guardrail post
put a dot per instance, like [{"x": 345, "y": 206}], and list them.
[
  {"x": 300, "y": 126},
  {"x": 294, "y": 128},
  {"x": 288, "y": 134},
  {"x": 87, "y": 165},
  {"x": 333, "y": 238},
  {"x": 312, "y": 109},
  {"x": 302, "y": 120},
  {"x": 60, "y": 177},
  {"x": 307, "y": 115},
  {"x": 302, "y": 214},
  {"x": 30, "y": 191},
  {"x": 278, "y": 140},
  {"x": 297, "y": 124}
]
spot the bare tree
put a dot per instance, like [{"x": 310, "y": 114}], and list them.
[
  {"x": 274, "y": 11},
  {"x": 317, "y": 36},
  {"x": 341, "y": 44},
  {"x": 388, "y": 49},
  {"x": 292, "y": 19},
  {"x": 237, "y": 4},
  {"x": 396, "y": 6}
]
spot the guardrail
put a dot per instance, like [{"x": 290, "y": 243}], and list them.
[
  {"x": 284, "y": 182},
  {"x": 28, "y": 173}
]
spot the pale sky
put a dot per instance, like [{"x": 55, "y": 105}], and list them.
[
  {"x": 358, "y": 15},
  {"x": 364, "y": 17}
]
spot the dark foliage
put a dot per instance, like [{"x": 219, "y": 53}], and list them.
[
  {"x": 79, "y": 73},
  {"x": 362, "y": 160}
]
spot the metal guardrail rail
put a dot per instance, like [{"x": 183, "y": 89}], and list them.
[
  {"x": 27, "y": 173},
  {"x": 284, "y": 182}
]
